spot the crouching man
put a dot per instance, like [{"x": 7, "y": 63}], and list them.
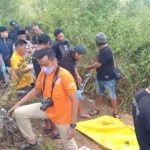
[{"x": 60, "y": 103}]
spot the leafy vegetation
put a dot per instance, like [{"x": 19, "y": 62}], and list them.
[{"x": 125, "y": 22}]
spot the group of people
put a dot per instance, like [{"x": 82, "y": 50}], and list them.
[{"x": 49, "y": 70}]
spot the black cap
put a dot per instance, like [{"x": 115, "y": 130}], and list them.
[
  {"x": 3, "y": 29},
  {"x": 28, "y": 27},
  {"x": 44, "y": 38},
  {"x": 20, "y": 32},
  {"x": 13, "y": 23}
]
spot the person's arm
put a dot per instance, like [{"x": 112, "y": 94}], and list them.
[
  {"x": 77, "y": 74},
  {"x": 74, "y": 103},
  {"x": 94, "y": 66},
  {"x": 32, "y": 94},
  {"x": 1, "y": 61}
]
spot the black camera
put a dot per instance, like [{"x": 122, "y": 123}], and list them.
[{"x": 46, "y": 102}]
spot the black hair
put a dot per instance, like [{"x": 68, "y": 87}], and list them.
[
  {"x": 58, "y": 31},
  {"x": 39, "y": 54},
  {"x": 39, "y": 25},
  {"x": 20, "y": 42}
]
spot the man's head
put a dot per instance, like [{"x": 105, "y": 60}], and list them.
[
  {"x": 3, "y": 32},
  {"x": 12, "y": 25},
  {"x": 37, "y": 29},
  {"x": 100, "y": 39},
  {"x": 21, "y": 35},
  {"x": 28, "y": 30},
  {"x": 59, "y": 34},
  {"x": 44, "y": 41},
  {"x": 46, "y": 59},
  {"x": 79, "y": 52},
  {"x": 20, "y": 46}
]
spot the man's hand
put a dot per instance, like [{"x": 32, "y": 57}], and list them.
[
  {"x": 79, "y": 93},
  {"x": 79, "y": 79},
  {"x": 71, "y": 133},
  {"x": 3, "y": 69},
  {"x": 10, "y": 112}
]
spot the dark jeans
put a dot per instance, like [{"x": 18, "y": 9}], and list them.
[
  {"x": 23, "y": 91},
  {"x": 2, "y": 78}
]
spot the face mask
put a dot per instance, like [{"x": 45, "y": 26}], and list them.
[{"x": 47, "y": 70}]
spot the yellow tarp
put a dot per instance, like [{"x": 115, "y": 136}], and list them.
[{"x": 110, "y": 133}]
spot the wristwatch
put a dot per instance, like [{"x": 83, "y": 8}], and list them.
[{"x": 73, "y": 125}]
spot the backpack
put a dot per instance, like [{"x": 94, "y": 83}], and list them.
[{"x": 64, "y": 49}]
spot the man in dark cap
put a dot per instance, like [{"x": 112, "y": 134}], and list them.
[
  {"x": 21, "y": 35},
  {"x": 105, "y": 80},
  {"x": 29, "y": 32},
  {"x": 14, "y": 27},
  {"x": 29, "y": 47},
  {"x": 6, "y": 46}
]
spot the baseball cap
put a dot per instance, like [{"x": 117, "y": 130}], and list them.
[
  {"x": 28, "y": 27},
  {"x": 3, "y": 29},
  {"x": 80, "y": 49},
  {"x": 20, "y": 32},
  {"x": 100, "y": 38},
  {"x": 12, "y": 23}
]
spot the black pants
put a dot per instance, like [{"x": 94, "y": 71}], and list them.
[
  {"x": 2, "y": 78},
  {"x": 23, "y": 91}
]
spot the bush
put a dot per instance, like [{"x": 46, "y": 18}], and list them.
[{"x": 126, "y": 24}]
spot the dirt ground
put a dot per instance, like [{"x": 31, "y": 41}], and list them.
[{"x": 82, "y": 139}]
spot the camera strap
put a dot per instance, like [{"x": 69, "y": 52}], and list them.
[{"x": 53, "y": 82}]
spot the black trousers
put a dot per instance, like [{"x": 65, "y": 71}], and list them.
[{"x": 23, "y": 91}]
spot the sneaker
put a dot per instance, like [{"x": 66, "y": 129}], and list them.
[{"x": 28, "y": 146}]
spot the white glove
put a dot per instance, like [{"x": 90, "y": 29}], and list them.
[{"x": 30, "y": 66}]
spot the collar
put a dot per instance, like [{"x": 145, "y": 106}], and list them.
[{"x": 18, "y": 54}]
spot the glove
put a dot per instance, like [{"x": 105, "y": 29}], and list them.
[
  {"x": 79, "y": 94},
  {"x": 3, "y": 69},
  {"x": 30, "y": 66},
  {"x": 87, "y": 75},
  {"x": 81, "y": 84}
]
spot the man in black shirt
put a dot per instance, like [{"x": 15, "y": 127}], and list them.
[
  {"x": 61, "y": 46},
  {"x": 69, "y": 63},
  {"x": 37, "y": 31},
  {"x": 141, "y": 116},
  {"x": 104, "y": 80}
]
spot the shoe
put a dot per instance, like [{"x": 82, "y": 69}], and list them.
[{"x": 28, "y": 146}]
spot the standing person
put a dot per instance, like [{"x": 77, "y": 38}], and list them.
[
  {"x": 6, "y": 46},
  {"x": 104, "y": 79},
  {"x": 21, "y": 71},
  {"x": 14, "y": 28},
  {"x": 37, "y": 31},
  {"x": 69, "y": 63},
  {"x": 29, "y": 32},
  {"x": 61, "y": 102},
  {"x": 61, "y": 45},
  {"x": 141, "y": 115}
]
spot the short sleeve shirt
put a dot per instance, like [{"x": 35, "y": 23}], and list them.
[
  {"x": 141, "y": 116},
  {"x": 105, "y": 57},
  {"x": 60, "y": 112},
  {"x": 26, "y": 78}
]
